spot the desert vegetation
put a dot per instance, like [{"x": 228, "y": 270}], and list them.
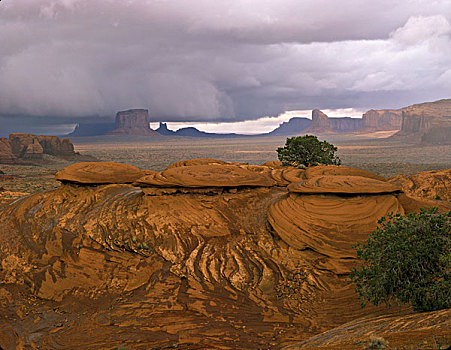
[
  {"x": 407, "y": 259},
  {"x": 307, "y": 150}
]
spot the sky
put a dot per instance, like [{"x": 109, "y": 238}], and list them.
[{"x": 224, "y": 65}]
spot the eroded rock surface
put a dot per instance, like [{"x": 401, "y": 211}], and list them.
[
  {"x": 203, "y": 255},
  {"x": 133, "y": 122},
  {"x": 99, "y": 173},
  {"x": 385, "y": 119},
  {"x": 25, "y": 147},
  {"x": 427, "y": 122},
  {"x": 321, "y": 123},
  {"x": 435, "y": 184},
  {"x": 6, "y": 154}
]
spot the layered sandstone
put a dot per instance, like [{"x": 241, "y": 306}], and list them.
[
  {"x": 6, "y": 154},
  {"x": 55, "y": 146},
  {"x": 398, "y": 332},
  {"x": 321, "y": 123},
  {"x": 381, "y": 120},
  {"x": 427, "y": 122},
  {"x": 435, "y": 184},
  {"x": 133, "y": 122},
  {"x": 203, "y": 255},
  {"x": 23, "y": 148}
]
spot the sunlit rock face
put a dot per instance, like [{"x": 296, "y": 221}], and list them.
[
  {"x": 21, "y": 146},
  {"x": 435, "y": 184},
  {"x": 202, "y": 255}
]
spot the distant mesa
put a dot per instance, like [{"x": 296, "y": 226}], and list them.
[
  {"x": 321, "y": 123},
  {"x": 295, "y": 126},
  {"x": 381, "y": 120},
  {"x": 133, "y": 122},
  {"x": 428, "y": 122},
  {"x": 193, "y": 132},
  {"x": 24, "y": 148}
]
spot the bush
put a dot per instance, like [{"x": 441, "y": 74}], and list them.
[
  {"x": 407, "y": 259},
  {"x": 307, "y": 151}
]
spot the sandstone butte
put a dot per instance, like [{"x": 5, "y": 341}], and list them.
[
  {"x": 25, "y": 148},
  {"x": 133, "y": 122},
  {"x": 203, "y": 255},
  {"x": 428, "y": 122}
]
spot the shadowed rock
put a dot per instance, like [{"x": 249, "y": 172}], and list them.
[{"x": 133, "y": 122}]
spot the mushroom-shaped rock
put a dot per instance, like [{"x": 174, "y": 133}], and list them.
[
  {"x": 339, "y": 170},
  {"x": 343, "y": 185},
  {"x": 99, "y": 173},
  {"x": 197, "y": 161},
  {"x": 198, "y": 176},
  {"x": 282, "y": 176}
]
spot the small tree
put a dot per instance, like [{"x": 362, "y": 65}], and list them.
[
  {"x": 408, "y": 259},
  {"x": 307, "y": 151}
]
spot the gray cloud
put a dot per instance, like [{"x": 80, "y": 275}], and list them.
[{"x": 219, "y": 60}]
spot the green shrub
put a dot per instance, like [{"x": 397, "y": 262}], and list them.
[
  {"x": 407, "y": 258},
  {"x": 307, "y": 151},
  {"x": 376, "y": 343}
]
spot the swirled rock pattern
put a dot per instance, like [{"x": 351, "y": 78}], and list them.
[
  {"x": 418, "y": 331},
  {"x": 205, "y": 176},
  {"x": 343, "y": 185},
  {"x": 206, "y": 256},
  {"x": 434, "y": 184}
]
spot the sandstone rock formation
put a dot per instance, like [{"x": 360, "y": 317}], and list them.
[
  {"x": 321, "y": 123},
  {"x": 28, "y": 147},
  {"x": 427, "y": 122},
  {"x": 426, "y": 330},
  {"x": 133, "y": 122},
  {"x": 426, "y": 184},
  {"x": 55, "y": 146},
  {"x": 203, "y": 255},
  {"x": 380, "y": 120},
  {"x": 295, "y": 126},
  {"x": 99, "y": 173},
  {"x": 6, "y": 154}
]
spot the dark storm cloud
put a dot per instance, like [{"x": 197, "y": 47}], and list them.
[{"x": 219, "y": 60}]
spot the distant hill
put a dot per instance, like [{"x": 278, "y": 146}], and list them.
[
  {"x": 294, "y": 126},
  {"x": 193, "y": 132},
  {"x": 91, "y": 129}
]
